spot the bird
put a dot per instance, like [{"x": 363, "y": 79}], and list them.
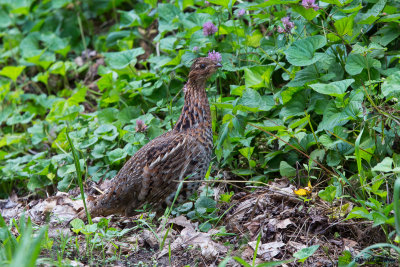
[{"x": 150, "y": 176}]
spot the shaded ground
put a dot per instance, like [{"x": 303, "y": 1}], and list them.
[{"x": 283, "y": 221}]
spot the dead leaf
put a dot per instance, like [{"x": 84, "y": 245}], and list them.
[
  {"x": 149, "y": 238},
  {"x": 191, "y": 237},
  {"x": 268, "y": 250},
  {"x": 284, "y": 224},
  {"x": 181, "y": 221}
]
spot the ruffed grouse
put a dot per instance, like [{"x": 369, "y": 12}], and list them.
[{"x": 185, "y": 151}]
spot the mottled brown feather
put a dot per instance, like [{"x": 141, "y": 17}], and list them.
[{"x": 147, "y": 177}]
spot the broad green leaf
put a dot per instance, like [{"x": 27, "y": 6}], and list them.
[
  {"x": 116, "y": 155},
  {"x": 224, "y": 3},
  {"x": 386, "y": 165},
  {"x": 286, "y": 170},
  {"x": 356, "y": 63},
  {"x": 12, "y": 72},
  {"x": 5, "y": 20},
  {"x": 37, "y": 133},
  {"x": 167, "y": 14},
  {"x": 253, "y": 102},
  {"x": 302, "y": 52},
  {"x": 307, "y": 13},
  {"x": 272, "y": 125},
  {"x": 317, "y": 155},
  {"x": 354, "y": 6},
  {"x": 328, "y": 194},
  {"x": 271, "y": 3},
  {"x": 246, "y": 152},
  {"x": 88, "y": 142},
  {"x": 107, "y": 115},
  {"x": 334, "y": 88},
  {"x": 386, "y": 34},
  {"x": 9, "y": 139},
  {"x": 359, "y": 212},
  {"x": 129, "y": 19},
  {"x": 308, "y": 74},
  {"x": 339, "y": 3},
  {"x": 389, "y": 18},
  {"x": 20, "y": 119},
  {"x": 254, "y": 39},
  {"x": 304, "y": 253},
  {"x": 120, "y": 60},
  {"x": 373, "y": 13},
  {"x": 58, "y": 68},
  {"x": 77, "y": 225},
  {"x": 344, "y": 26},
  {"x": 258, "y": 76},
  {"x": 204, "y": 204},
  {"x": 332, "y": 117},
  {"x": 391, "y": 86},
  {"x": 378, "y": 218}
]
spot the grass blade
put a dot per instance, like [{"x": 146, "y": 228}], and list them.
[{"x": 79, "y": 174}]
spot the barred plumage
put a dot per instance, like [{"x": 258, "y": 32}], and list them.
[{"x": 185, "y": 151}]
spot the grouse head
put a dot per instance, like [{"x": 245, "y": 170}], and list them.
[{"x": 202, "y": 68}]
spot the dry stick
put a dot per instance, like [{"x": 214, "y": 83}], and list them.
[{"x": 304, "y": 154}]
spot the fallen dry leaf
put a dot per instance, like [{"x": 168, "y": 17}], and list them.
[
  {"x": 190, "y": 237},
  {"x": 268, "y": 250}
]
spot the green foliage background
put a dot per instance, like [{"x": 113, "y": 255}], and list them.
[{"x": 329, "y": 88}]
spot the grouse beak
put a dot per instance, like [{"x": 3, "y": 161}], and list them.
[{"x": 218, "y": 65}]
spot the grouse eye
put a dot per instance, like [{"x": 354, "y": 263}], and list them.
[{"x": 202, "y": 66}]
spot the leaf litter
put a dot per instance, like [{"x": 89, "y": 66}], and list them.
[{"x": 284, "y": 223}]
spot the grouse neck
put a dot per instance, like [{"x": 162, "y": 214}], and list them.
[{"x": 196, "y": 109}]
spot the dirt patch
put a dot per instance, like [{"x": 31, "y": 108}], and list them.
[{"x": 281, "y": 221}]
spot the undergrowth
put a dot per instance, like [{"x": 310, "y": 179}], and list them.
[{"x": 308, "y": 91}]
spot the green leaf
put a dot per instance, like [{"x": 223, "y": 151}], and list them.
[
  {"x": 378, "y": 218},
  {"x": 58, "y": 68},
  {"x": 302, "y": 52},
  {"x": 88, "y": 142},
  {"x": 332, "y": 117},
  {"x": 334, "y": 88},
  {"x": 271, "y": 3},
  {"x": 254, "y": 39},
  {"x": 344, "y": 26},
  {"x": 204, "y": 204},
  {"x": 356, "y": 63},
  {"x": 258, "y": 76},
  {"x": 107, "y": 115},
  {"x": 116, "y": 155},
  {"x": 20, "y": 119},
  {"x": 120, "y": 60},
  {"x": 224, "y": 3},
  {"x": 253, "y": 102},
  {"x": 286, "y": 170},
  {"x": 373, "y": 13},
  {"x": 5, "y": 20},
  {"x": 335, "y": 2},
  {"x": 359, "y": 213},
  {"x": 354, "y": 6},
  {"x": 328, "y": 194},
  {"x": 386, "y": 165},
  {"x": 308, "y": 74},
  {"x": 246, "y": 152},
  {"x": 391, "y": 86},
  {"x": 304, "y": 253},
  {"x": 307, "y": 13},
  {"x": 129, "y": 19},
  {"x": 167, "y": 14},
  {"x": 12, "y": 72},
  {"x": 77, "y": 225}
]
